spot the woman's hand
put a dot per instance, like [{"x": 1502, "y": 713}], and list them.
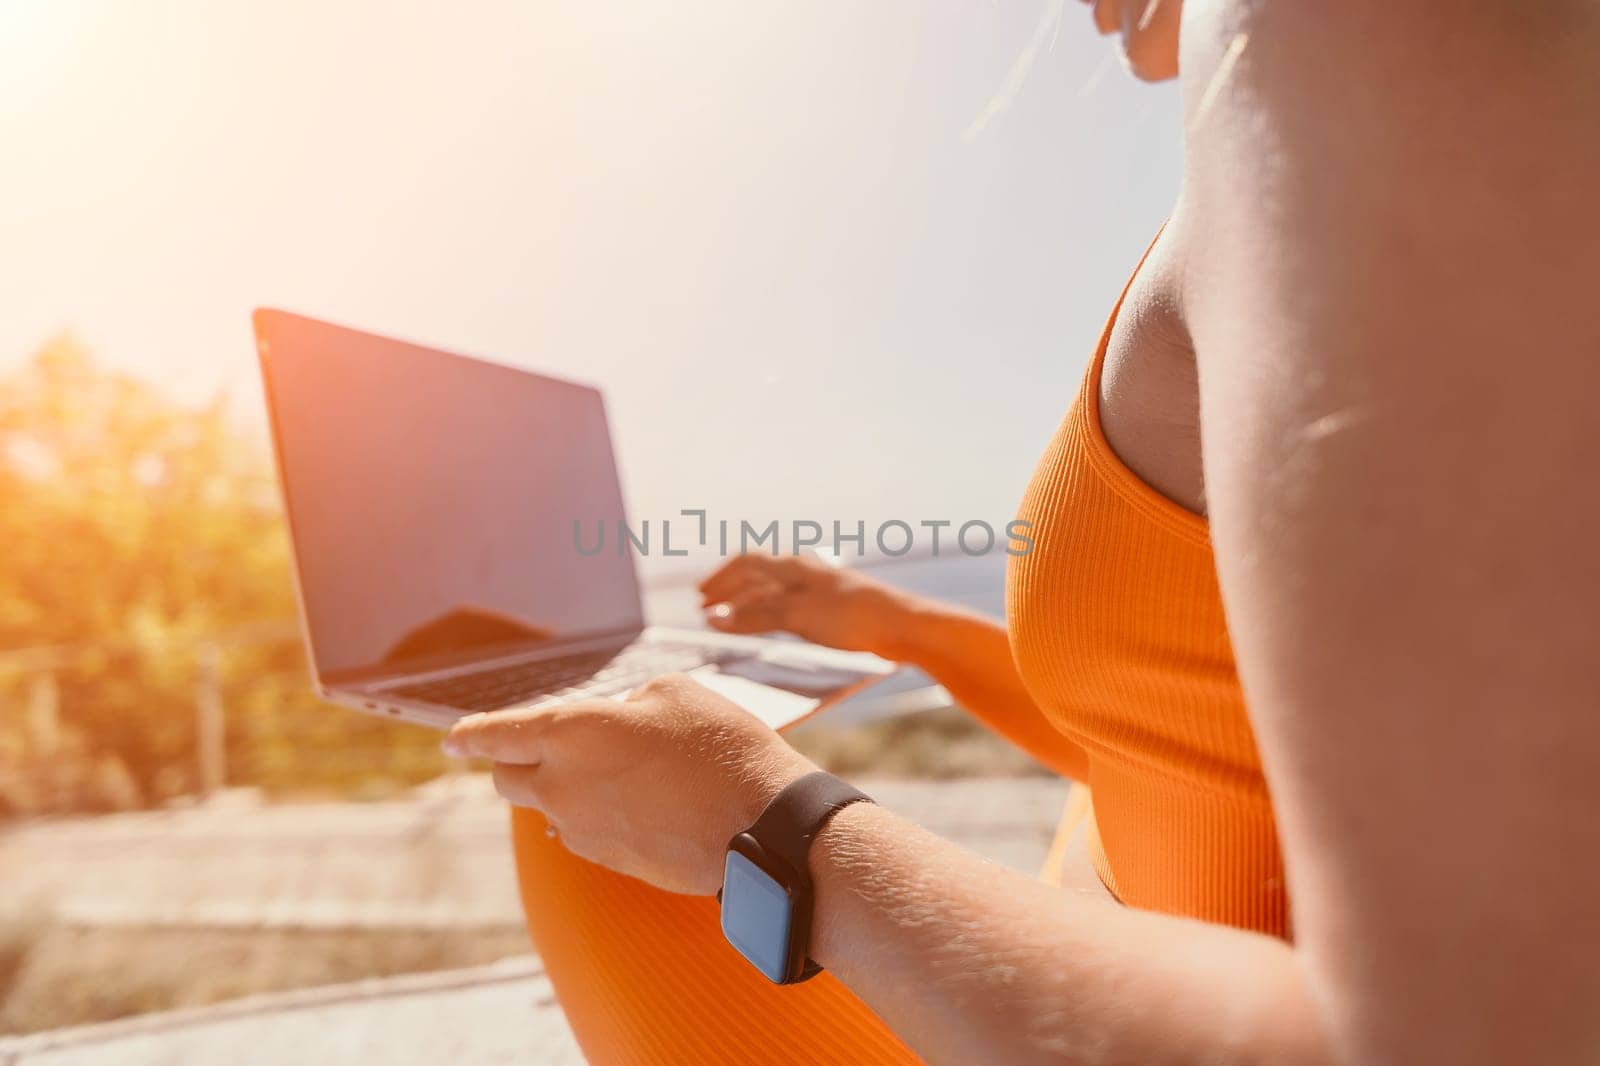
[
  {"x": 801, "y": 594},
  {"x": 653, "y": 786},
  {"x": 968, "y": 654}
]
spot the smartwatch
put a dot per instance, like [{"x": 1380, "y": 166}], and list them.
[{"x": 766, "y": 883}]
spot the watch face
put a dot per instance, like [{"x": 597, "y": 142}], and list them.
[{"x": 756, "y": 913}]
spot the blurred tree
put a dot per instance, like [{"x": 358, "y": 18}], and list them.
[{"x": 136, "y": 530}]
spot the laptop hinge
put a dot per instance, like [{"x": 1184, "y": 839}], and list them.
[{"x": 366, "y": 681}]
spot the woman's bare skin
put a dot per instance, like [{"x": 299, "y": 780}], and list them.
[
  {"x": 1366, "y": 349},
  {"x": 1149, "y": 388}
]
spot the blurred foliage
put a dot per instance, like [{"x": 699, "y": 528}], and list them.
[{"x": 136, "y": 532}]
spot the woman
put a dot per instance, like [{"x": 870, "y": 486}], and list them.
[{"x": 1347, "y": 397}]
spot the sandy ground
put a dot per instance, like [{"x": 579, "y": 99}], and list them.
[
  {"x": 438, "y": 861},
  {"x": 503, "y": 1013}
]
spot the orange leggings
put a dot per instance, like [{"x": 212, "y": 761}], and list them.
[{"x": 644, "y": 976}]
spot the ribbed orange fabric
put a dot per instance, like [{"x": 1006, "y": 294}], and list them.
[
  {"x": 645, "y": 976},
  {"x": 1117, "y": 628}
]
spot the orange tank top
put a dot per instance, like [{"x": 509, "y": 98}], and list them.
[{"x": 1117, "y": 628}]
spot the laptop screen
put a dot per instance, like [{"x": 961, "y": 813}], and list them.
[{"x": 432, "y": 500}]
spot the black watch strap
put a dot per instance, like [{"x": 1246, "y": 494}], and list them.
[
  {"x": 797, "y": 814},
  {"x": 792, "y": 821},
  {"x": 785, "y": 830}
]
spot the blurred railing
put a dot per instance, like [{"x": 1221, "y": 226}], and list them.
[
  {"x": 232, "y": 709},
  {"x": 140, "y": 722},
  {"x": 197, "y": 715}
]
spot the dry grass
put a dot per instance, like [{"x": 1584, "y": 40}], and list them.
[
  {"x": 942, "y": 744},
  {"x": 53, "y": 975},
  {"x": 21, "y": 931}
]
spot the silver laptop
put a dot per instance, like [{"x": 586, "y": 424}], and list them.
[{"x": 457, "y": 530}]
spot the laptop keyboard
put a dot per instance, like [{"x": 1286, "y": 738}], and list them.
[{"x": 603, "y": 672}]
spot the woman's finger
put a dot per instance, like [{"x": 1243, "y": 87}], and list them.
[
  {"x": 541, "y": 788},
  {"x": 737, "y": 572},
  {"x": 519, "y": 784},
  {"x": 515, "y": 736},
  {"x": 726, "y": 590},
  {"x": 756, "y": 609}
]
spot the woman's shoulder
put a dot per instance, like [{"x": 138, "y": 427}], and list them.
[
  {"x": 1412, "y": 113},
  {"x": 1373, "y": 65}
]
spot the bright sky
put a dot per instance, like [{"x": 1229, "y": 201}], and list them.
[{"x": 763, "y": 228}]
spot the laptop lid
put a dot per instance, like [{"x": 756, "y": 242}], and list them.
[{"x": 432, "y": 500}]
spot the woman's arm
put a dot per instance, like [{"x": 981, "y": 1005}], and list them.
[
  {"x": 1393, "y": 215},
  {"x": 1393, "y": 221},
  {"x": 968, "y": 654},
  {"x": 967, "y": 961},
  {"x": 1399, "y": 359},
  {"x": 972, "y": 962}
]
